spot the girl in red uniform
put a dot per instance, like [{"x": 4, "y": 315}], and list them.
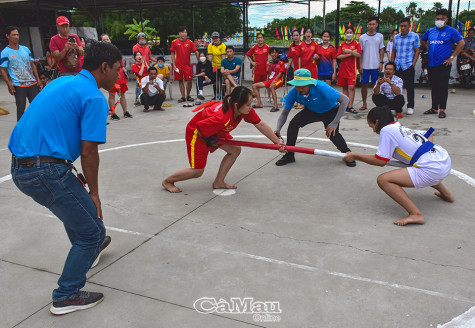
[
  {"x": 294, "y": 51},
  {"x": 211, "y": 124},
  {"x": 350, "y": 54},
  {"x": 309, "y": 53},
  {"x": 260, "y": 52}
]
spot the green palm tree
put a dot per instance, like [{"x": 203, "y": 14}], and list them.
[{"x": 136, "y": 28}]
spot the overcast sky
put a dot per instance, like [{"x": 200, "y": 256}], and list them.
[{"x": 260, "y": 15}]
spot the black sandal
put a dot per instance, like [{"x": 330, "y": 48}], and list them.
[
  {"x": 182, "y": 99},
  {"x": 189, "y": 99},
  {"x": 351, "y": 110},
  {"x": 430, "y": 111},
  {"x": 442, "y": 114}
]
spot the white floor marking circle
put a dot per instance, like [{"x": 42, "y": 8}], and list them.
[{"x": 224, "y": 192}]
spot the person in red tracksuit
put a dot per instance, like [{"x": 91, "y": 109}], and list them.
[{"x": 215, "y": 122}]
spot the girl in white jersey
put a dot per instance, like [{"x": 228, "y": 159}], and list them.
[{"x": 430, "y": 163}]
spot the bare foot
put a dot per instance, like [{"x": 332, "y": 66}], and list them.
[
  {"x": 447, "y": 197},
  {"x": 411, "y": 219},
  {"x": 170, "y": 187},
  {"x": 223, "y": 186}
]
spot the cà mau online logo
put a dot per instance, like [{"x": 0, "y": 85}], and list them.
[{"x": 246, "y": 305}]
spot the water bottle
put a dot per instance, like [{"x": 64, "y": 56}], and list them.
[{"x": 423, "y": 97}]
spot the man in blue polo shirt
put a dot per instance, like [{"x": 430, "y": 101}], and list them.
[
  {"x": 67, "y": 120},
  {"x": 439, "y": 40},
  {"x": 321, "y": 103}
]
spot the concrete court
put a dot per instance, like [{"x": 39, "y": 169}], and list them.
[{"x": 315, "y": 235}]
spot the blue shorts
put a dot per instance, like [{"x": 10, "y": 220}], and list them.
[{"x": 374, "y": 73}]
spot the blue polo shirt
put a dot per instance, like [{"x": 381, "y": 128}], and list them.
[
  {"x": 440, "y": 43},
  {"x": 320, "y": 99},
  {"x": 68, "y": 110}
]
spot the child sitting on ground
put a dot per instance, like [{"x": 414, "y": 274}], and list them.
[{"x": 163, "y": 74}]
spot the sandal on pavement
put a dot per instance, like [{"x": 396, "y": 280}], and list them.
[
  {"x": 442, "y": 114},
  {"x": 430, "y": 111},
  {"x": 182, "y": 99},
  {"x": 274, "y": 109},
  {"x": 351, "y": 110},
  {"x": 189, "y": 99},
  {"x": 363, "y": 108}
]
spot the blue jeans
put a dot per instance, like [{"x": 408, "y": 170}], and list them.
[
  {"x": 54, "y": 186},
  {"x": 138, "y": 90}
]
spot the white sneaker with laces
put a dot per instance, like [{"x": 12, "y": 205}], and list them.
[{"x": 410, "y": 111}]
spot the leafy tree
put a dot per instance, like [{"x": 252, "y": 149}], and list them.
[
  {"x": 136, "y": 28},
  {"x": 437, "y": 6},
  {"x": 466, "y": 15},
  {"x": 420, "y": 12},
  {"x": 355, "y": 12},
  {"x": 411, "y": 9},
  {"x": 389, "y": 16}
]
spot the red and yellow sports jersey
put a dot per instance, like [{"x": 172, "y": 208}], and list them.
[
  {"x": 276, "y": 68},
  {"x": 212, "y": 121},
  {"x": 294, "y": 53},
  {"x": 261, "y": 56},
  {"x": 144, "y": 50},
  {"x": 122, "y": 79},
  {"x": 136, "y": 70},
  {"x": 183, "y": 50},
  {"x": 349, "y": 65},
  {"x": 307, "y": 51}
]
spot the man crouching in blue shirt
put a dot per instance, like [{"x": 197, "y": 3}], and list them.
[
  {"x": 66, "y": 120},
  {"x": 321, "y": 103}
]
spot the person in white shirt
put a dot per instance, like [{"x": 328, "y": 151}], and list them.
[
  {"x": 428, "y": 163},
  {"x": 372, "y": 45},
  {"x": 388, "y": 90},
  {"x": 153, "y": 93}
]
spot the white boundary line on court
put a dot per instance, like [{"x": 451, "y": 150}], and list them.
[
  {"x": 465, "y": 320},
  {"x": 462, "y": 176}
]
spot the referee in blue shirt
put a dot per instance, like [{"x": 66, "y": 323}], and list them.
[
  {"x": 439, "y": 40},
  {"x": 66, "y": 120},
  {"x": 321, "y": 103}
]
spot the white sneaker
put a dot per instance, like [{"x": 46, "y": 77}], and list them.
[{"x": 410, "y": 111}]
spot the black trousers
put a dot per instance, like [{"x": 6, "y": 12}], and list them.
[
  {"x": 395, "y": 104},
  {"x": 21, "y": 93},
  {"x": 407, "y": 77},
  {"x": 439, "y": 85},
  {"x": 306, "y": 116},
  {"x": 155, "y": 101}
]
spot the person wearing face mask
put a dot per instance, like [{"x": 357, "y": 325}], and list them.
[
  {"x": 163, "y": 74},
  {"x": 321, "y": 103},
  {"x": 215, "y": 121},
  {"x": 349, "y": 53},
  {"x": 142, "y": 47},
  {"x": 439, "y": 40},
  {"x": 204, "y": 73}
]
